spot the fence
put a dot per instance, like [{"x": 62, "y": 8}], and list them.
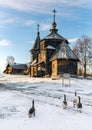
[{"x": 66, "y": 77}]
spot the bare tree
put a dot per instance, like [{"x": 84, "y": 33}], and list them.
[
  {"x": 10, "y": 60},
  {"x": 83, "y": 48}
]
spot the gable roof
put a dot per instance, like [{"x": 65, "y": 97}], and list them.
[
  {"x": 18, "y": 66},
  {"x": 64, "y": 52}
]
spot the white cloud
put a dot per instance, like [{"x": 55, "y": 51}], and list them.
[
  {"x": 9, "y": 18},
  {"x": 2, "y": 27},
  {"x": 5, "y": 42},
  {"x": 44, "y": 27},
  {"x": 42, "y": 6},
  {"x": 6, "y": 19},
  {"x": 35, "y": 5},
  {"x": 30, "y": 42},
  {"x": 29, "y": 22},
  {"x": 73, "y": 41}
]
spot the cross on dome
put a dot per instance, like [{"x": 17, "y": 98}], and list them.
[
  {"x": 54, "y": 12},
  {"x": 38, "y": 27}
]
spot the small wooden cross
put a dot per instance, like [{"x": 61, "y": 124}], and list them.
[
  {"x": 38, "y": 27},
  {"x": 54, "y": 11}
]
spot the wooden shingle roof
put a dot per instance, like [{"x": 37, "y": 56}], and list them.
[
  {"x": 19, "y": 66},
  {"x": 64, "y": 52},
  {"x": 54, "y": 35},
  {"x": 36, "y": 45}
]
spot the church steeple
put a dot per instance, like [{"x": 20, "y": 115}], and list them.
[
  {"x": 36, "y": 45},
  {"x": 54, "y": 23}
]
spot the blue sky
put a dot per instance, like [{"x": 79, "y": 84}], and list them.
[{"x": 19, "y": 19}]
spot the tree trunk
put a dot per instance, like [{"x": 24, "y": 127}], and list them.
[{"x": 85, "y": 75}]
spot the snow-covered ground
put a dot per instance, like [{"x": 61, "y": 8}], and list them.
[{"x": 17, "y": 93}]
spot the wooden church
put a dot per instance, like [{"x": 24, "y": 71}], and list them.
[{"x": 52, "y": 56}]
